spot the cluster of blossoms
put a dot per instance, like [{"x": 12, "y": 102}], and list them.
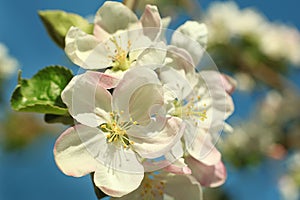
[
  {"x": 8, "y": 64},
  {"x": 226, "y": 22},
  {"x": 146, "y": 115},
  {"x": 289, "y": 183}
]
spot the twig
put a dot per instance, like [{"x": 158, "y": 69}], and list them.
[{"x": 131, "y": 4}]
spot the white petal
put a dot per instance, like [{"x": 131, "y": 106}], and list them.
[
  {"x": 175, "y": 84},
  {"x": 159, "y": 143},
  {"x": 175, "y": 186},
  {"x": 84, "y": 94},
  {"x": 108, "y": 154},
  {"x": 100, "y": 33},
  {"x": 181, "y": 59},
  {"x": 79, "y": 46},
  {"x": 116, "y": 183},
  {"x": 202, "y": 148},
  {"x": 166, "y": 22},
  {"x": 191, "y": 36},
  {"x": 113, "y": 16},
  {"x": 71, "y": 154},
  {"x": 153, "y": 57},
  {"x": 133, "y": 80}
]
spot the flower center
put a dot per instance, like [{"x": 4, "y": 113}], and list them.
[
  {"x": 152, "y": 186},
  {"x": 117, "y": 131},
  {"x": 188, "y": 109},
  {"x": 121, "y": 58}
]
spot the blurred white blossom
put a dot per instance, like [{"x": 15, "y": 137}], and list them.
[
  {"x": 289, "y": 183},
  {"x": 227, "y": 21},
  {"x": 8, "y": 64},
  {"x": 244, "y": 81}
]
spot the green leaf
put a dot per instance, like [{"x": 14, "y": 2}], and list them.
[
  {"x": 57, "y": 24},
  {"x": 66, "y": 120},
  {"x": 41, "y": 93}
]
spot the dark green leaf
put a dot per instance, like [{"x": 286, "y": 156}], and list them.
[
  {"x": 67, "y": 120},
  {"x": 42, "y": 92},
  {"x": 57, "y": 24}
]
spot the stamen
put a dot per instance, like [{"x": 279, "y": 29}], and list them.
[{"x": 117, "y": 130}]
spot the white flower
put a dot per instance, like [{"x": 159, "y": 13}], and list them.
[
  {"x": 201, "y": 98},
  {"x": 117, "y": 131},
  {"x": 164, "y": 184},
  {"x": 8, "y": 64},
  {"x": 226, "y": 20},
  {"x": 203, "y": 106},
  {"x": 281, "y": 42},
  {"x": 118, "y": 41}
]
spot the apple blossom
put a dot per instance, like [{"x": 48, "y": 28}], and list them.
[
  {"x": 119, "y": 38},
  {"x": 115, "y": 131},
  {"x": 164, "y": 184},
  {"x": 8, "y": 64}
]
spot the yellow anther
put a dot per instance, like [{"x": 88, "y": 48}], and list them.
[
  {"x": 103, "y": 126},
  {"x": 135, "y": 122}
]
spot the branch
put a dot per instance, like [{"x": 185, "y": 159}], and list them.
[{"x": 131, "y": 4}]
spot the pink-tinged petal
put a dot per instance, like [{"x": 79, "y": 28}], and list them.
[
  {"x": 180, "y": 187},
  {"x": 169, "y": 158},
  {"x": 229, "y": 83},
  {"x": 116, "y": 183},
  {"x": 208, "y": 176},
  {"x": 107, "y": 81},
  {"x": 100, "y": 34},
  {"x": 151, "y": 19},
  {"x": 79, "y": 46},
  {"x": 113, "y": 16},
  {"x": 84, "y": 96},
  {"x": 200, "y": 145},
  {"x": 159, "y": 143},
  {"x": 71, "y": 155},
  {"x": 178, "y": 167}
]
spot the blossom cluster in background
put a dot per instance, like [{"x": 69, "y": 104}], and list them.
[
  {"x": 227, "y": 22},
  {"x": 8, "y": 64}
]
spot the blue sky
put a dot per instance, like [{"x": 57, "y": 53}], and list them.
[{"x": 32, "y": 173}]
